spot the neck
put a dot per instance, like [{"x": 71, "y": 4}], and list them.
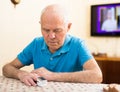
[{"x": 52, "y": 50}]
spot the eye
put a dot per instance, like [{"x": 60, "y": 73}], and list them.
[
  {"x": 57, "y": 30},
  {"x": 46, "y": 30}
]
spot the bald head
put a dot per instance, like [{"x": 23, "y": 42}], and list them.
[
  {"x": 55, "y": 11},
  {"x": 54, "y": 26}
]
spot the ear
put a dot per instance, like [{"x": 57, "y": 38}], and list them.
[{"x": 69, "y": 26}]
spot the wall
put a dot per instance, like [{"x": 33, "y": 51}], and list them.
[{"x": 18, "y": 26}]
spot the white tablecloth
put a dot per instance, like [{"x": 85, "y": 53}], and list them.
[{"x": 13, "y": 85}]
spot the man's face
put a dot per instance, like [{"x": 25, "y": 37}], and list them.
[{"x": 54, "y": 31}]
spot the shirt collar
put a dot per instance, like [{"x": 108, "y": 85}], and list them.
[
  {"x": 66, "y": 45},
  {"x": 65, "y": 48}
]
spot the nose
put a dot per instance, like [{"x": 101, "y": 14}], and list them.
[{"x": 51, "y": 35}]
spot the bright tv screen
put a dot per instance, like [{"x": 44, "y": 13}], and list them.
[{"x": 105, "y": 20}]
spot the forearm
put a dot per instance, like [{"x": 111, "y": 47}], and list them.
[
  {"x": 83, "y": 77},
  {"x": 12, "y": 72}
]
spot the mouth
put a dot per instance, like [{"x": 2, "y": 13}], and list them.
[{"x": 52, "y": 43}]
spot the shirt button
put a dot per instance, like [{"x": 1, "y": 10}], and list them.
[{"x": 51, "y": 59}]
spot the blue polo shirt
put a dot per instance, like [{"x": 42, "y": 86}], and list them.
[{"x": 69, "y": 58}]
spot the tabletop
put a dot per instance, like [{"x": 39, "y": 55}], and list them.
[{"x": 13, "y": 85}]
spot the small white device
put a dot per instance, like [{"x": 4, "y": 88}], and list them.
[{"x": 41, "y": 81}]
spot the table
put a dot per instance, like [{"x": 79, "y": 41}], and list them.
[{"x": 13, "y": 85}]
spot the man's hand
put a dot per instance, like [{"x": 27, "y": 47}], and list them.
[
  {"x": 28, "y": 78},
  {"x": 43, "y": 72},
  {"x": 112, "y": 88}
]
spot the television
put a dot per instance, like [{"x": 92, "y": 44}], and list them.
[{"x": 105, "y": 20}]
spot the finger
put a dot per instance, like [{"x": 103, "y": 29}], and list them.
[
  {"x": 32, "y": 82},
  {"x": 27, "y": 83},
  {"x": 34, "y": 76},
  {"x": 35, "y": 72}
]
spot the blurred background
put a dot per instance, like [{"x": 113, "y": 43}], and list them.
[{"x": 20, "y": 24}]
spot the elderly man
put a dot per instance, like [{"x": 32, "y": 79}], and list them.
[{"x": 56, "y": 56}]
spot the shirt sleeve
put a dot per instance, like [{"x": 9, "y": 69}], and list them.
[
  {"x": 25, "y": 56},
  {"x": 83, "y": 52}
]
